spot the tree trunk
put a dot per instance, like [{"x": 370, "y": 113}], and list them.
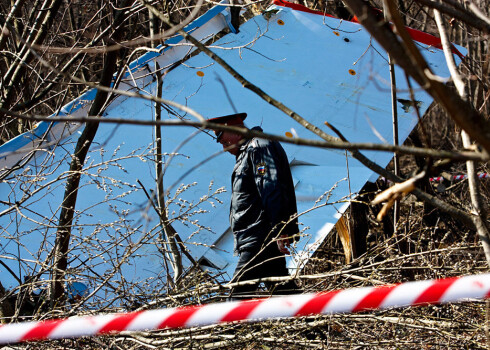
[
  {"x": 169, "y": 233},
  {"x": 63, "y": 234}
]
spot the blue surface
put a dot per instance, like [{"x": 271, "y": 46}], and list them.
[{"x": 297, "y": 58}]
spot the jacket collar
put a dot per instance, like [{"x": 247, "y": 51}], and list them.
[{"x": 247, "y": 142}]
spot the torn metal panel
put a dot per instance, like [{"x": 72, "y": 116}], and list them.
[{"x": 321, "y": 67}]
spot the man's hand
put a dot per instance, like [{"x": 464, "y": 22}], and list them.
[{"x": 282, "y": 243}]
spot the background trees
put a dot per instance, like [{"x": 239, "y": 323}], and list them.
[{"x": 52, "y": 51}]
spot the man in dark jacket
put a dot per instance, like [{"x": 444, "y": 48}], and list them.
[{"x": 262, "y": 211}]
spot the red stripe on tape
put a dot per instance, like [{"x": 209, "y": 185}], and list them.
[
  {"x": 316, "y": 305},
  {"x": 434, "y": 293},
  {"x": 42, "y": 330},
  {"x": 119, "y": 323},
  {"x": 179, "y": 318},
  {"x": 370, "y": 298},
  {"x": 242, "y": 311},
  {"x": 374, "y": 299}
]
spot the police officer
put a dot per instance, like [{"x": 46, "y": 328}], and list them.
[{"x": 262, "y": 211}]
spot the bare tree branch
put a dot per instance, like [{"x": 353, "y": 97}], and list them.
[
  {"x": 458, "y": 11},
  {"x": 168, "y": 229},
  {"x": 407, "y": 56},
  {"x": 37, "y": 35},
  {"x": 71, "y": 191},
  {"x": 478, "y": 212},
  {"x": 340, "y": 144}
]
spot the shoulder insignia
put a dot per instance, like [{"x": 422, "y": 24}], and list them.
[{"x": 261, "y": 169}]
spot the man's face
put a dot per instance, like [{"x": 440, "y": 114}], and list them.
[{"x": 230, "y": 141}]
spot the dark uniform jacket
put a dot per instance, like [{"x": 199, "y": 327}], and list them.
[{"x": 263, "y": 198}]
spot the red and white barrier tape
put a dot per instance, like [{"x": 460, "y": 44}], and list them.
[{"x": 341, "y": 301}]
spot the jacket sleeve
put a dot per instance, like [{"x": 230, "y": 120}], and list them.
[{"x": 275, "y": 194}]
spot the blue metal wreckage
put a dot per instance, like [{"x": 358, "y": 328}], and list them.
[{"x": 323, "y": 68}]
